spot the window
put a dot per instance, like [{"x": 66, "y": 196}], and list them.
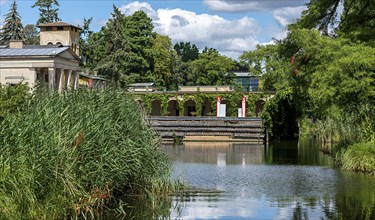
[
  {"x": 46, "y": 78},
  {"x": 60, "y": 28},
  {"x": 48, "y": 28},
  {"x": 59, "y": 44},
  {"x": 49, "y": 43}
]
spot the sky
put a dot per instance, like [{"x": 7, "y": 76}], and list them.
[{"x": 230, "y": 26}]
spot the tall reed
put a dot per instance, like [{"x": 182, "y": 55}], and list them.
[{"x": 69, "y": 154}]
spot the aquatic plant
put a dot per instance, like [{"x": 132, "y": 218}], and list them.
[{"x": 71, "y": 154}]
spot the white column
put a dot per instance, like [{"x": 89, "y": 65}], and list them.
[
  {"x": 61, "y": 80},
  {"x": 51, "y": 79},
  {"x": 76, "y": 78},
  {"x": 33, "y": 78},
  {"x": 69, "y": 79}
]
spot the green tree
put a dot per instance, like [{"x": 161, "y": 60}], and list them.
[
  {"x": 48, "y": 11},
  {"x": 356, "y": 21},
  {"x": 31, "y": 35},
  {"x": 13, "y": 28},
  {"x": 211, "y": 68},
  {"x": 187, "y": 51},
  {"x": 164, "y": 61},
  {"x": 84, "y": 47},
  {"x": 123, "y": 50},
  {"x": 139, "y": 31}
]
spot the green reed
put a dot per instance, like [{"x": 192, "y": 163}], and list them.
[{"x": 68, "y": 155}]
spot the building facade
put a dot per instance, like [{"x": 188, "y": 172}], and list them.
[{"x": 53, "y": 64}]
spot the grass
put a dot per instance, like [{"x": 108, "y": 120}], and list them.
[
  {"x": 69, "y": 155},
  {"x": 359, "y": 157}
]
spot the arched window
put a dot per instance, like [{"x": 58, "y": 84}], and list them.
[{"x": 50, "y": 43}]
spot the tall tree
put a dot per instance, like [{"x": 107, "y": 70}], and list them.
[
  {"x": 31, "y": 35},
  {"x": 211, "y": 68},
  {"x": 84, "y": 47},
  {"x": 13, "y": 28},
  {"x": 187, "y": 51},
  {"x": 164, "y": 61},
  {"x": 48, "y": 11},
  {"x": 352, "y": 18}
]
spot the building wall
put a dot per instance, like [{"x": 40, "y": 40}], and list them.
[
  {"x": 205, "y": 88},
  {"x": 67, "y": 37},
  {"x": 17, "y": 75}
]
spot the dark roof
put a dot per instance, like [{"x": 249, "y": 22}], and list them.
[
  {"x": 93, "y": 77},
  {"x": 57, "y": 24},
  {"x": 36, "y": 51}
]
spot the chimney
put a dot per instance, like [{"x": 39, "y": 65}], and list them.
[{"x": 16, "y": 44}]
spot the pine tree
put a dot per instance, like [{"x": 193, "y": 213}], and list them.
[
  {"x": 48, "y": 12},
  {"x": 13, "y": 28}
]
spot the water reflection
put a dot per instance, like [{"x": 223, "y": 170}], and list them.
[{"x": 287, "y": 180}]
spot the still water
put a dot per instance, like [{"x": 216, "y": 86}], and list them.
[{"x": 286, "y": 180}]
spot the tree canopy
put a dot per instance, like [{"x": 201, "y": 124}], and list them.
[
  {"x": 13, "y": 28},
  {"x": 48, "y": 11}
]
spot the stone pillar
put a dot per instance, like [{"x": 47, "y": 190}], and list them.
[
  {"x": 61, "y": 80},
  {"x": 33, "y": 78},
  {"x": 51, "y": 79},
  {"x": 69, "y": 79},
  {"x": 76, "y": 79}
]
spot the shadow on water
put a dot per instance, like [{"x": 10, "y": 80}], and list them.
[{"x": 287, "y": 180}]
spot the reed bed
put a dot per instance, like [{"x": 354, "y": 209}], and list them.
[{"x": 68, "y": 155}]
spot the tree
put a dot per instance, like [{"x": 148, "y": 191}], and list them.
[
  {"x": 13, "y": 28},
  {"x": 356, "y": 21},
  {"x": 187, "y": 51},
  {"x": 84, "y": 47},
  {"x": 31, "y": 35},
  {"x": 211, "y": 68},
  {"x": 164, "y": 61},
  {"x": 48, "y": 11}
]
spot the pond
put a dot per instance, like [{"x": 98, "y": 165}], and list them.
[{"x": 286, "y": 180}]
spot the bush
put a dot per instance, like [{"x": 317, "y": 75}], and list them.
[
  {"x": 67, "y": 154},
  {"x": 280, "y": 116},
  {"x": 12, "y": 99},
  {"x": 359, "y": 157}
]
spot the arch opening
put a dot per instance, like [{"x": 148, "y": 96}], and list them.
[
  {"x": 173, "y": 108},
  {"x": 190, "y": 108},
  {"x": 155, "y": 108}
]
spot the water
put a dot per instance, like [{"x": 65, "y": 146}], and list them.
[{"x": 287, "y": 180}]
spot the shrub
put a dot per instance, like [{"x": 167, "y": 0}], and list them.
[{"x": 360, "y": 157}]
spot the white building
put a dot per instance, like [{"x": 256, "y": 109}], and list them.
[{"x": 52, "y": 64}]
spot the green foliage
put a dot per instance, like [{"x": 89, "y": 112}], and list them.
[
  {"x": 31, "y": 35},
  {"x": 359, "y": 157},
  {"x": 164, "y": 74},
  {"x": 211, "y": 68},
  {"x": 187, "y": 51},
  {"x": 68, "y": 154},
  {"x": 48, "y": 11},
  {"x": 280, "y": 116},
  {"x": 13, "y": 99},
  {"x": 12, "y": 28},
  {"x": 84, "y": 47},
  {"x": 356, "y": 21},
  {"x": 123, "y": 49}
]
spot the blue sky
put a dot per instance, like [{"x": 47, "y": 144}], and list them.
[{"x": 231, "y": 26}]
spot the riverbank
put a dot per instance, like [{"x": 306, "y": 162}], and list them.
[
  {"x": 69, "y": 155},
  {"x": 351, "y": 142}
]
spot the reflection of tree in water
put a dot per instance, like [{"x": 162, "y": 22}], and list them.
[{"x": 299, "y": 212}]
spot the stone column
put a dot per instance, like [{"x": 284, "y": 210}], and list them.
[
  {"x": 51, "y": 79},
  {"x": 69, "y": 79},
  {"x": 33, "y": 77},
  {"x": 76, "y": 79},
  {"x": 61, "y": 80}
]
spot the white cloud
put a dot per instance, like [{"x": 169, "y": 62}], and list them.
[
  {"x": 230, "y": 37},
  {"x": 287, "y": 15},
  {"x": 251, "y": 5}
]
